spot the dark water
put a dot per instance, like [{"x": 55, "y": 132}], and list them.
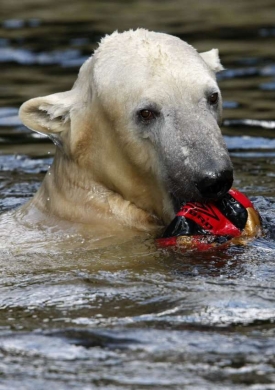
[{"x": 132, "y": 316}]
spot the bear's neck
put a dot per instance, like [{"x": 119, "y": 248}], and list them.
[{"x": 72, "y": 193}]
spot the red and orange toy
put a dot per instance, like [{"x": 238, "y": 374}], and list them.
[{"x": 232, "y": 219}]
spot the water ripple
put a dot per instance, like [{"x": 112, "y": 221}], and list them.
[{"x": 65, "y": 58}]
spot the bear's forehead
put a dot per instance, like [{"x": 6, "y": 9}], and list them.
[
  {"x": 145, "y": 45},
  {"x": 141, "y": 52}
]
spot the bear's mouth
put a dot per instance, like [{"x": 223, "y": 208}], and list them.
[
  {"x": 179, "y": 201},
  {"x": 205, "y": 192},
  {"x": 181, "y": 194}
]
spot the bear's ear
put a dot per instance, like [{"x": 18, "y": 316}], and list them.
[
  {"x": 48, "y": 115},
  {"x": 212, "y": 59}
]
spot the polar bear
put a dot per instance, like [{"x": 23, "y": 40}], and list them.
[{"x": 137, "y": 135}]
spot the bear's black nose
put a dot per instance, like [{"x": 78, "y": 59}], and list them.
[{"x": 215, "y": 185}]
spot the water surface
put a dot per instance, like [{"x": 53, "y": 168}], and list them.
[{"x": 134, "y": 316}]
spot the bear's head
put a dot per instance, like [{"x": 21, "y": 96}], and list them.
[{"x": 144, "y": 112}]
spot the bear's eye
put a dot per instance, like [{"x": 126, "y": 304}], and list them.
[
  {"x": 213, "y": 98},
  {"x": 147, "y": 115}
]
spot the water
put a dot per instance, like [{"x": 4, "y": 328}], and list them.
[{"x": 133, "y": 316}]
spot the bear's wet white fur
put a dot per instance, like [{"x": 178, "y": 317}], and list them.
[{"x": 113, "y": 170}]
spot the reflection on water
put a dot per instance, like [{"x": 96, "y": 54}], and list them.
[{"x": 133, "y": 316}]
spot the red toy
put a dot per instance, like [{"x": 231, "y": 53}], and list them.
[{"x": 203, "y": 226}]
